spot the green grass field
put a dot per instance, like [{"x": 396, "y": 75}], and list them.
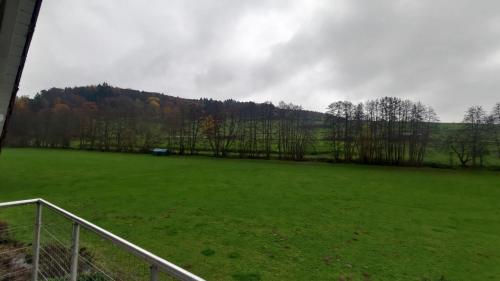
[{"x": 229, "y": 219}]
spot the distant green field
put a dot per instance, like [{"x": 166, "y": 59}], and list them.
[{"x": 272, "y": 220}]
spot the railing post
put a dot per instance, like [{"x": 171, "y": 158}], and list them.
[
  {"x": 36, "y": 241},
  {"x": 154, "y": 273},
  {"x": 75, "y": 246}
]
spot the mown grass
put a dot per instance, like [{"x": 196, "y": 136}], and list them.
[{"x": 228, "y": 219}]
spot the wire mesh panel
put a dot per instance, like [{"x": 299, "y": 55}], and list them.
[
  {"x": 55, "y": 247},
  {"x": 16, "y": 234},
  {"x": 72, "y": 249},
  {"x": 98, "y": 258},
  {"x": 106, "y": 261}
]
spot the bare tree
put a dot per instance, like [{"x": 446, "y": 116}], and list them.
[
  {"x": 294, "y": 132},
  {"x": 475, "y": 121},
  {"x": 495, "y": 119},
  {"x": 460, "y": 146},
  {"x": 267, "y": 128},
  {"x": 469, "y": 143}
]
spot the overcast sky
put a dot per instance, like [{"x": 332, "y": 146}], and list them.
[{"x": 309, "y": 52}]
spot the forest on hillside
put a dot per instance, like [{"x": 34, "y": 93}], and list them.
[{"x": 387, "y": 130}]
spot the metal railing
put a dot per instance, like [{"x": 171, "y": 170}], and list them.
[{"x": 156, "y": 264}]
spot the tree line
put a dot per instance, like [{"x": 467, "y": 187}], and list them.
[
  {"x": 112, "y": 119},
  {"x": 382, "y": 131},
  {"x": 386, "y": 130}
]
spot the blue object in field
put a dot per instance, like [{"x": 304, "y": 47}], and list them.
[{"x": 160, "y": 152}]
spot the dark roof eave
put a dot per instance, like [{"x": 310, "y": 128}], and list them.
[{"x": 29, "y": 36}]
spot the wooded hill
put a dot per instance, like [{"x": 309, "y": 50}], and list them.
[{"x": 386, "y": 130}]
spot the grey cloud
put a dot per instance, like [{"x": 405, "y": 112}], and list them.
[{"x": 445, "y": 53}]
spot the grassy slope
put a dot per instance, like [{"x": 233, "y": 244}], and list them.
[{"x": 276, "y": 220}]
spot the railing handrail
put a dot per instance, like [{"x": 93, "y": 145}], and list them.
[
  {"x": 154, "y": 260},
  {"x": 19, "y": 203}
]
